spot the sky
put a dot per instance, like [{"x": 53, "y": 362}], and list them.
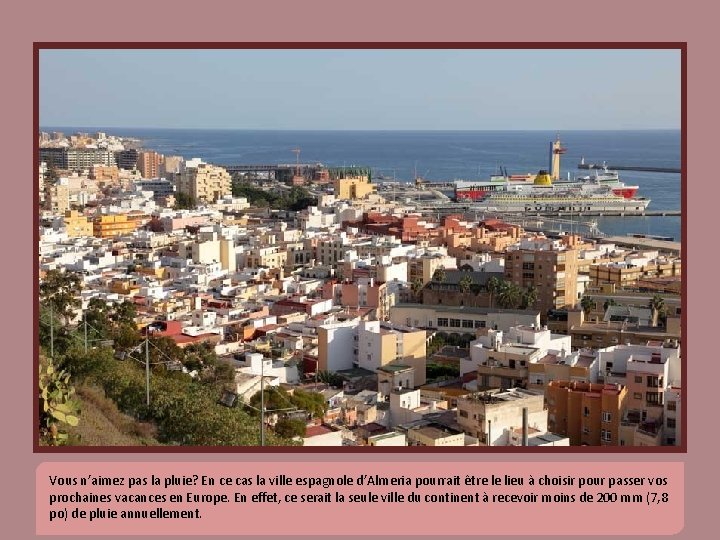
[{"x": 301, "y": 89}]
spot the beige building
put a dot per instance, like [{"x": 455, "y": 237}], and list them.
[
  {"x": 77, "y": 224},
  {"x": 355, "y": 187},
  {"x": 204, "y": 182},
  {"x": 381, "y": 344},
  {"x": 492, "y": 416},
  {"x": 57, "y": 197},
  {"x": 432, "y": 435}
]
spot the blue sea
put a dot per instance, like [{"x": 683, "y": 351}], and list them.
[{"x": 444, "y": 156}]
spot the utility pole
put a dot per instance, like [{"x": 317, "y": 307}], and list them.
[
  {"x": 52, "y": 335},
  {"x": 85, "y": 326},
  {"x": 147, "y": 370},
  {"x": 262, "y": 402}
]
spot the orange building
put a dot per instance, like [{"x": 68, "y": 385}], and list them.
[
  {"x": 148, "y": 164},
  {"x": 590, "y": 414},
  {"x": 114, "y": 225}
]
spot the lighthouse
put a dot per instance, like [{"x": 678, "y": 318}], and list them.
[{"x": 555, "y": 150}]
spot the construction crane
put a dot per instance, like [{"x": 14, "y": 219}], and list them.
[{"x": 297, "y": 179}]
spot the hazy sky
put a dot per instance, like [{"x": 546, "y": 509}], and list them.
[{"x": 361, "y": 89}]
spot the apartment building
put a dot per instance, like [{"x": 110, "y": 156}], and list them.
[
  {"x": 204, "y": 182},
  {"x": 148, "y": 163},
  {"x": 114, "y": 225},
  {"x": 492, "y": 416},
  {"x": 548, "y": 265},
  {"x": 77, "y": 224},
  {"x": 380, "y": 344},
  {"x": 589, "y": 414}
]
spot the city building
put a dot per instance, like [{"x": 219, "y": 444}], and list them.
[
  {"x": 204, "y": 182},
  {"x": 589, "y": 414},
  {"x": 380, "y": 344},
  {"x": 550, "y": 266},
  {"x": 148, "y": 163},
  {"x": 493, "y": 416},
  {"x": 354, "y": 187}
]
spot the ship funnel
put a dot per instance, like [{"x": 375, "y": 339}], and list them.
[{"x": 543, "y": 179}]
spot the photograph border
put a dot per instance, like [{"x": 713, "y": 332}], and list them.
[{"x": 345, "y": 450}]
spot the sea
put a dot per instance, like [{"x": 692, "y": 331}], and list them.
[{"x": 441, "y": 156}]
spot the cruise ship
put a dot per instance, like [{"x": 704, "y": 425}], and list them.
[
  {"x": 598, "y": 182},
  {"x": 560, "y": 200}
]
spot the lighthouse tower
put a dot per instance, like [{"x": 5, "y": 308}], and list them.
[{"x": 555, "y": 150}]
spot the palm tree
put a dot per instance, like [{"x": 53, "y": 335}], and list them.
[
  {"x": 416, "y": 286},
  {"x": 509, "y": 296},
  {"x": 492, "y": 286},
  {"x": 609, "y": 302},
  {"x": 439, "y": 274},
  {"x": 465, "y": 283},
  {"x": 529, "y": 297},
  {"x": 657, "y": 306},
  {"x": 588, "y": 304}
]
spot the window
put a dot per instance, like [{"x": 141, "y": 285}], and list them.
[
  {"x": 622, "y": 442},
  {"x": 606, "y": 416},
  {"x": 442, "y": 322},
  {"x": 671, "y": 405},
  {"x": 637, "y": 395},
  {"x": 455, "y": 323},
  {"x": 638, "y": 379},
  {"x": 606, "y": 435},
  {"x": 586, "y": 431},
  {"x": 467, "y": 324},
  {"x": 670, "y": 423},
  {"x": 653, "y": 382},
  {"x": 586, "y": 411},
  {"x": 652, "y": 398},
  {"x": 479, "y": 324},
  {"x": 464, "y": 414}
]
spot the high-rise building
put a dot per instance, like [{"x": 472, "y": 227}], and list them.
[
  {"x": 76, "y": 158},
  {"x": 148, "y": 163},
  {"x": 548, "y": 265},
  {"x": 127, "y": 159},
  {"x": 204, "y": 182}
]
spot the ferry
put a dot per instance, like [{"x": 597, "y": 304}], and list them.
[{"x": 596, "y": 182}]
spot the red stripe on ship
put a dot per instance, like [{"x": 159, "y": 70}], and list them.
[
  {"x": 470, "y": 194},
  {"x": 627, "y": 192}
]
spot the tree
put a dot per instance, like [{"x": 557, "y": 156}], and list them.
[
  {"x": 465, "y": 284},
  {"x": 493, "y": 286},
  {"x": 290, "y": 428},
  {"x": 657, "y": 306},
  {"x": 530, "y": 296},
  {"x": 609, "y": 302},
  {"x": 61, "y": 290},
  {"x": 588, "y": 304},
  {"x": 439, "y": 274},
  {"x": 510, "y": 296},
  {"x": 416, "y": 287},
  {"x": 184, "y": 201}
]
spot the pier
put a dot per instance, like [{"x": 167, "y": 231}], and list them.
[{"x": 583, "y": 165}]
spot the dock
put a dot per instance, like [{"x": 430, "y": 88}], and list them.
[{"x": 583, "y": 165}]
